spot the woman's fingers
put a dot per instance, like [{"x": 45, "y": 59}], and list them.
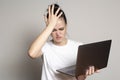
[
  {"x": 45, "y": 19},
  {"x": 52, "y": 17},
  {"x": 86, "y": 72},
  {"x": 90, "y": 70},
  {"x": 49, "y": 12},
  {"x": 56, "y": 13},
  {"x": 52, "y": 9},
  {"x": 97, "y": 71},
  {"x": 60, "y": 14}
]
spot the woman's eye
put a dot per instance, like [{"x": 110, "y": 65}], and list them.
[
  {"x": 61, "y": 29},
  {"x": 54, "y": 30}
]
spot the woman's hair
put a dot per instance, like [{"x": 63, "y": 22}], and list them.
[{"x": 56, "y": 6}]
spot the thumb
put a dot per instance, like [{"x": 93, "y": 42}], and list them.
[
  {"x": 45, "y": 19},
  {"x": 97, "y": 71}
]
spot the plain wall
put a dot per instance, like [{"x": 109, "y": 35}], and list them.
[{"x": 21, "y": 21}]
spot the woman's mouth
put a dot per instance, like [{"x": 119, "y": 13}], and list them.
[{"x": 58, "y": 37}]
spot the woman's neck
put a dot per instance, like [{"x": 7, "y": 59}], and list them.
[{"x": 64, "y": 42}]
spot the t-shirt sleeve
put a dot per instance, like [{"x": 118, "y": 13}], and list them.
[
  {"x": 79, "y": 43},
  {"x": 44, "y": 48}
]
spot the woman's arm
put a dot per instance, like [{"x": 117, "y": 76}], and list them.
[{"x": 35, "y": 48}]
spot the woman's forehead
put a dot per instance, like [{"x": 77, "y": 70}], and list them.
[{"x": 60, "y": 23}]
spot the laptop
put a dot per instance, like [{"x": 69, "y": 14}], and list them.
[{"x": 93, "y": 54}]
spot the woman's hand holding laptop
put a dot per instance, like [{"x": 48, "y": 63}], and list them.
[{"x": 91, "y": 70}]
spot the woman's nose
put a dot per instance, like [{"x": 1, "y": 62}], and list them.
[{"x": 57, "y": 32}]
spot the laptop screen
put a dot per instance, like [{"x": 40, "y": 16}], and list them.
[{"x": 93, "y": 54}]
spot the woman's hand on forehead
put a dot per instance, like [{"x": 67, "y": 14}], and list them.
[{"x": 52, "y": 18}]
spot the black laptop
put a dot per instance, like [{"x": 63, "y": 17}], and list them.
[{"x": 92, "y": 54}]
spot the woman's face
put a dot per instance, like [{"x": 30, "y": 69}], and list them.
[{"x": 59, "y": 32}]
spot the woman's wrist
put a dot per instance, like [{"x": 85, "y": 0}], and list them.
[{"x": 81, "y": 77}]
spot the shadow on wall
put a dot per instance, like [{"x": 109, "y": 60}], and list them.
[
  {"x": 29, "y": 68},
  {"x": 14, "y": 59},
  {"x": 32, "y": 66}
]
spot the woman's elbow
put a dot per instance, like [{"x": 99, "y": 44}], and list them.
[{"x": 33, "y": 55}]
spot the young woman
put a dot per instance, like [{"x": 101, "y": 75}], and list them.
[{"x": 59, "y": 52}]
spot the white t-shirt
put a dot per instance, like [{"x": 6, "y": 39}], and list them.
[{"x": 56, "y": 57}]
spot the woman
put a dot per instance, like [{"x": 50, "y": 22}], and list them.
[{"x": 58, "y": 52}]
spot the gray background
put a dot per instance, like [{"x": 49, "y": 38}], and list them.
[{"x": 21, "y": 21}]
